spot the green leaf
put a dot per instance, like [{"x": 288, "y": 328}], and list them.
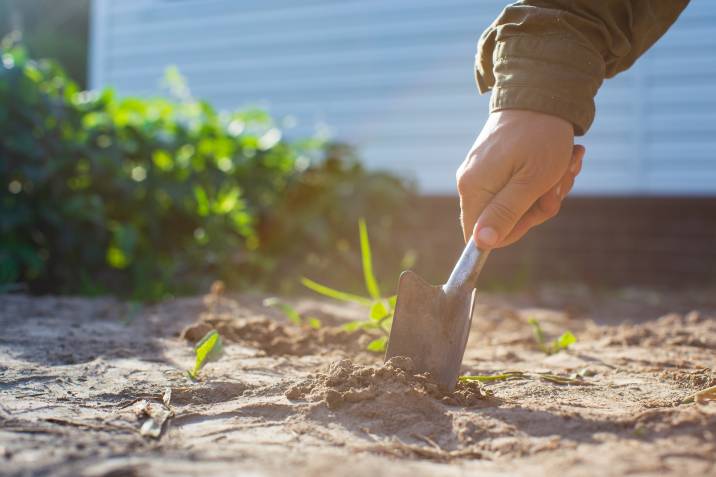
[
  {"x": 287, "y": 309},
  {"x": 566, "y": 340},
  {"x": 537, "y": 333},
  {"x": 335, "y": 294},
  {"x": 352, "y": 326},
  {"x": 116, "y": 257},
  {"x": 202, "y": 201},
  {"x": 392, "y": 301},
  {"x": 361, "y": 325},
  {"x": 226, "y": 201},
  {"x": 314, "y": 322},
  {"x": 208, "y": 349},
  {"x": 371, "y": 283},
  {"x": 378, "y": 344},
  {"x": 378, "y": 311},
  {"x": 163, "y": 160}
]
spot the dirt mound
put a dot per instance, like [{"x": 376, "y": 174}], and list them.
[
  {"x": 274, "y": 338},
  {"x": 346, "y": 382}
]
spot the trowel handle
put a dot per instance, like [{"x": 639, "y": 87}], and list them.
[{"x": 464, "y": 276}]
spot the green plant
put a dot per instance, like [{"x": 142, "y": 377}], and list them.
[
  {"x": 564, "y": 341},
  {"x": 518, "y": 375},
  {"x": 292, "y": 314},
  {"x": 380, "y": 309},
  {"x": 208, "y": 349},
  {"x": 148, "y": 198},
  {"x": 50, "y": 30}
]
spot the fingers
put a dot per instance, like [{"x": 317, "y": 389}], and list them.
[
  {"x": 575, "y": 166},
  {"x": 502, "y": 213},
  {"x": 471, "y": 205},
  {"x": 548, "y": 205},
  {"x": 517, "y": 157},
  {"x": 479, "y": 179}
]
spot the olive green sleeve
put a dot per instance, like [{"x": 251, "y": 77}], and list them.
[{"x": 551, "y": 56}]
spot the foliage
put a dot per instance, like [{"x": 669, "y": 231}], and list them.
[
  {"x": 50, "y": 29},
  {"x": 565, "y": 340},
  {"x": 152, "y": 197},
  {"x": 292, "y": 314},
  {"x": 208, "y": 349},
  {"x": 380, "y": 309}
]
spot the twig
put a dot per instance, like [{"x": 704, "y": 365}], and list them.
[{"x": 708, "y": 394}]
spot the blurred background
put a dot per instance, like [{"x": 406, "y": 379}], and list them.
[{"x": 243, "y": 140}]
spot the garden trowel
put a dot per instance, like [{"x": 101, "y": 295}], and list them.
[{"x": 432, "y": 323}]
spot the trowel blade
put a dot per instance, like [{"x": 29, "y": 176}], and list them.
[{"x": 430, "y": 328}]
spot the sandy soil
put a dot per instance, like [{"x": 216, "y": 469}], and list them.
[{"x": 85, "y": 384}]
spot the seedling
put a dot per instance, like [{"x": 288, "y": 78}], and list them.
[
  {"x": 291, "y": 313},
  {"x": 381, "y": 309},
  {"x": 511, "y": 375},
  {"x": 565, "y": 340},
  {"x": 208, "y": 349},
  {"x": 488, "y": 378}
]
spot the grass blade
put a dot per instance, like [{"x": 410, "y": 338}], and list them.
[
  {"x": 371, "y": 284},
  {"x": 538, "y": 334},
  {"x": 335, "y": 294},
  {"x": 553, "y": 378},
  {"x": 287, "y": 309},
  {"x": 487, "y": 378}
]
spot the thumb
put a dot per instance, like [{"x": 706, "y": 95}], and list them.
[{"x": 502, "y": 213}]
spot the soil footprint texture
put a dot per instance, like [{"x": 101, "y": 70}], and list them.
[{"x": 97, "y": 387}]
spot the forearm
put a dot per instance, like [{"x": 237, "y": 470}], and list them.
[{"x": 551, "y": 56}]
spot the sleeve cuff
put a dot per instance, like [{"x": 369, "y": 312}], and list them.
[{"x": 553, "y": 75}]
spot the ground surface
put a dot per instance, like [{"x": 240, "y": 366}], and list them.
[{"x": 80, "y": 379}]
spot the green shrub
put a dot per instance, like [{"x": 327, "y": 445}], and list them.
[{"x": 151, "y": 197}]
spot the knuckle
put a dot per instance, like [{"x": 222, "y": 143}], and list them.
[{"x": 462, "y": 183}]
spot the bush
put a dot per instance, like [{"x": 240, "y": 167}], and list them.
[{"x": 151, "y": 197}]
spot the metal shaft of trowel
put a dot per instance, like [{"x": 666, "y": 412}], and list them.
[{"x": 464, "y": 276}]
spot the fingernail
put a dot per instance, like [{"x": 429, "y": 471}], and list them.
[
  {"x": 487, "y": 236},
  {"x": 558, "y": 190}
]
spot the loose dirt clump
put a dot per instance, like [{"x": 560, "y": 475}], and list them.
[
  {"x": 239, "y": 324},
  {"x": 345, "y": 383},
  {"x": 274, "y": 338}
]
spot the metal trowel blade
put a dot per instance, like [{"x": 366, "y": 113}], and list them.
[{"x": 431, "y": 328}]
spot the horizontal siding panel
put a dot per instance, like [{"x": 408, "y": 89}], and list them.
[
  {"x": 218, "y": 62},
  {"x": 396, "y": 79},
  {"x": 176, "y": 13},
  {"x": 420, "y": 31}
]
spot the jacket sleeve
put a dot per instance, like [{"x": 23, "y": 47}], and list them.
[{"x": 551, "y": 56}]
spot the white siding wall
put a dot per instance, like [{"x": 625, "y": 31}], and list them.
[{"x": 395, "y": 78}]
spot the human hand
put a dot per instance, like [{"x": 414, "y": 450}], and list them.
[{"x": 516, "y": 175}]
